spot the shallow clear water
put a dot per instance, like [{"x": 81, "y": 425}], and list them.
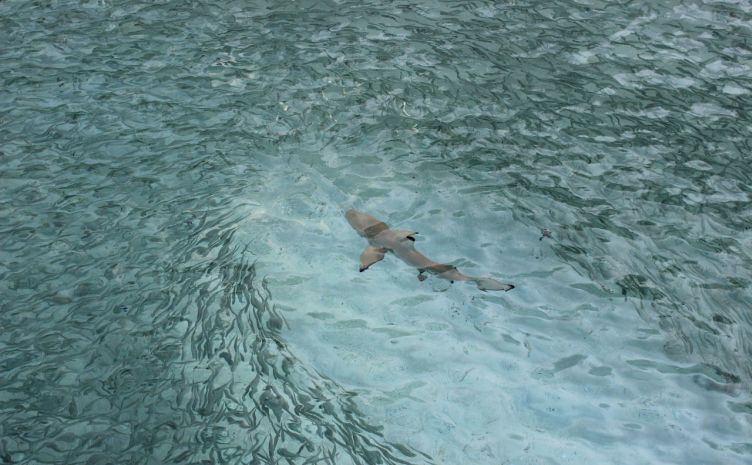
[{"x": 178, "y": 283}]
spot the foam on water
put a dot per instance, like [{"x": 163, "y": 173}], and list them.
[{"x": 178, "y": 282}]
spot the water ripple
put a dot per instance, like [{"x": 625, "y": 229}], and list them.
[{"x": 164, "y": 166}]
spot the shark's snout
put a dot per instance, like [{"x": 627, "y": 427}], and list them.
[
  {"x": 355, "y": 218},
  {"x": 366, "y": 225}
]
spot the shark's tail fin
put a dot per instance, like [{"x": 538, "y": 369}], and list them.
[{"x": 489, "y": 284}]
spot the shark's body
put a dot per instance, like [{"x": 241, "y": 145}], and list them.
[{"x": 381, "y": 240}]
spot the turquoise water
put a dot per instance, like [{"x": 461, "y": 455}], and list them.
[{"x": 178, "y": 283}]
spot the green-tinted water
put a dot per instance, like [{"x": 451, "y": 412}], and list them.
[{"x": 178, "y": 283}]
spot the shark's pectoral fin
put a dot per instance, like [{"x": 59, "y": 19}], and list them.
[
  {"x": 405, "y": 234},
  {"x": 370, "y": 256}
]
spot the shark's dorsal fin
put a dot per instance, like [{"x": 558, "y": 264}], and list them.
[
  {"x": 405, "y": 234},
  {"x": 370, "y": 256}
]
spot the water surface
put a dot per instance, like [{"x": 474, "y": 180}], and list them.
[{"x": 178, "y": 283}]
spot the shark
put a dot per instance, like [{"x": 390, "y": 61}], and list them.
[{"x": 382, "y": 239}]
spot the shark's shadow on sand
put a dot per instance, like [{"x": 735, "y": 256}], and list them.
[{"x": 381, "y": 240}]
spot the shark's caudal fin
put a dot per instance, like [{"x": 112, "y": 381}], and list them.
[{"x": 489, "y": 284}]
